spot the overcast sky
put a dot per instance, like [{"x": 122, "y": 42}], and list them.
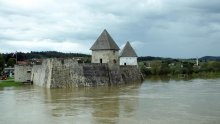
[{"x": 166, "y": 28}]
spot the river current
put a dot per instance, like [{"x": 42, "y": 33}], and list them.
[{"x": 193, "y": 101}]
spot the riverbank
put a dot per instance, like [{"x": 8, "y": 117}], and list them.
[
  {"x": 206, "y": 75},
  {"x": 9, "y": 83}
]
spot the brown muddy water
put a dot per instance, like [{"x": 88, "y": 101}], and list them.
[{"x": 194, "y": 101}]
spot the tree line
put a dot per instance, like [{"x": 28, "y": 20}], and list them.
[
  {"x": 164, "y": 67},
  {"x": 9, "y": 59},
  {"x": 149, "y": 65}
]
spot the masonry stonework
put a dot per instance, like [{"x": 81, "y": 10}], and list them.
[
  {"x": 22, "y": 73},
  {"x": 68, "y": 73}
]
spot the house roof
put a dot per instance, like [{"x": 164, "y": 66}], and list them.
[
  {"x": 128, "y": 51},
  {"x": 22, "y": 63},
  {"x": 105, "y": 42}
]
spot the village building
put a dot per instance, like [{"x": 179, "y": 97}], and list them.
[
  {"x": 105, "y": 50},
  {"x": 9, "y": 72},
  {"x": 128, "y": 55}
]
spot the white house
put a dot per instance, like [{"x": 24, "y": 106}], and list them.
[
  {"x": 128, "y": 56},
  {"x": 105, "y": 50}
]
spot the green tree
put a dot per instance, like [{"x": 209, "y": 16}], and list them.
[
  {"x": 155, "y": 67},
  {"x": 187, "y": 68},
  {"x": 1, "y": 63},
  {"x": 214, "y": 66},
  {"x": 204, "y": 67},
  {"x": 165, "y": 69},
  {"x": 144, "y": 70},
  {"x": 11, "y": 62}
]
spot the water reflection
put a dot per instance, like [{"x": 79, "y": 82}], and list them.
[{"x": 98, "y": 105}]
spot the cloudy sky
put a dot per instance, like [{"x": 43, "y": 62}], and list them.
[{"x": 167, "y": 28}]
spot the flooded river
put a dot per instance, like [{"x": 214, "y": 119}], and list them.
[{"x": 195, "y": 101}]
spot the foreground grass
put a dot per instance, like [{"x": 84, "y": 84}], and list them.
[{"x": 10, "y": 83}]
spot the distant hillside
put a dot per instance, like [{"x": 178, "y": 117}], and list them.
[
  {"x": 43, "y": 54},
  {"x": 151, "y": 58},
  {"x": 210, "y": 58},
  {"x": 53, "y": 54},
  {"x": 205, "y": 58}
]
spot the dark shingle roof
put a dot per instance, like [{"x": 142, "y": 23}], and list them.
[
  {"x": 105, "y": 42},
  {"x": 128, "y": 51}
]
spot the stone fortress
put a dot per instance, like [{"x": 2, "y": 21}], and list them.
[{"x": 107, "y": 68}]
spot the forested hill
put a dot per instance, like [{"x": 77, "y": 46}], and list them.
[
  {"x": 54, "y": 54},
  {"x": 44, "y": 54},
  {"x": 210, "y": 58},
  {"x": 151, "y": 58}
]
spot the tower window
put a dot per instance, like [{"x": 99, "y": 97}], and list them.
[{"x": 100, "y": 60}]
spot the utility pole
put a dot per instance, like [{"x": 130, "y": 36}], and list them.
[{"x": 16, "y": 56}]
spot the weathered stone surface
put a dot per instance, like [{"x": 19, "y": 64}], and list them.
[
  {"x": 67, "y": 73},
  {"x": 95, "y": 74},
  {"x": 41, "y": 74},
  {"x": 131, "y": 74},
  {"x": 22, "y": 73},
  {"x": 115, "y": 74}
]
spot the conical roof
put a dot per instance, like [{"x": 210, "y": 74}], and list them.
[
  {"x": 128, "y": 51},
  {"x": 105, "y": 42}
]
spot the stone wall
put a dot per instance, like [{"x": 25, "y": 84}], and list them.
[
  {"x": 115, "y": 74},
  {"x": 22, "y": 73},
  {"x": 79, "y": 75},
  {"x": 67, "y": 73},
  {"x": 95, "y": 74},
  {"x": 41, "y": 74},
  {"x": 131, "y": 74}
]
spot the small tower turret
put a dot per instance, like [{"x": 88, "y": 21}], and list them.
[
  {"x": 105, "y": 50},
  {"x": 128, "y": 55}
]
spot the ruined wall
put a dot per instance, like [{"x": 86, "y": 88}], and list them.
[
  {"x": 22, "y": 73},
  {"x": 115, "y": 74},
  {"x": 41, "y": 74},
  {"x": 96, "y": 74},
  {"x": 72, "y": 74},
  {"x": 67, "y": 73},
  {"x": 131, "y": 74}
]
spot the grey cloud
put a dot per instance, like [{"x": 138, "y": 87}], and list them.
[{"x": 163, "y": 27}]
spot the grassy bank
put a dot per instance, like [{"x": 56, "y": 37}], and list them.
[{"x": 9, "y": 83}]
